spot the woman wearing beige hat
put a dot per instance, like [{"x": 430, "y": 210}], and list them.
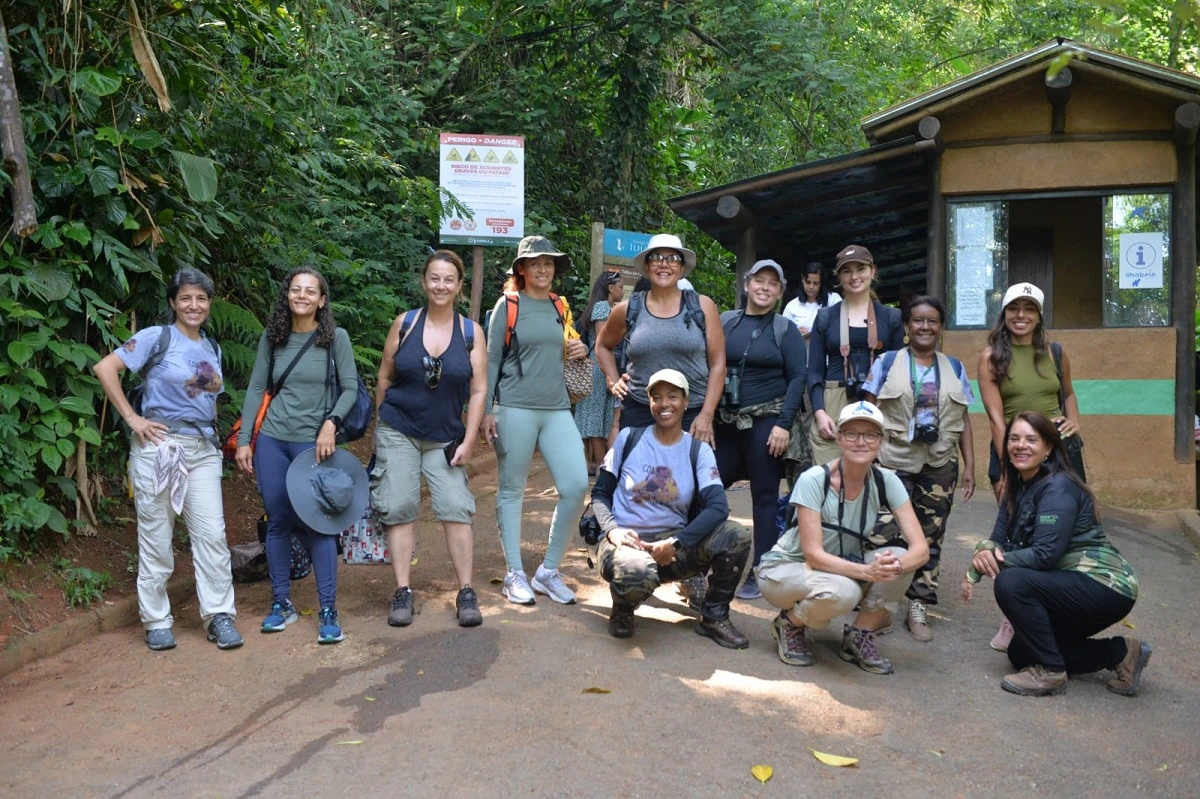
[
  {"x": 527, "y": 407},
  {"x": 665, "y": 328}
]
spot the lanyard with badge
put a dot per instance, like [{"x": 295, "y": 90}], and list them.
[{"x": 923, "y": 433}]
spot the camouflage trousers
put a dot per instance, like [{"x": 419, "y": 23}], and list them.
[
  {"x": 932, "y": 493},
  {"x": 633, "y": 575}
]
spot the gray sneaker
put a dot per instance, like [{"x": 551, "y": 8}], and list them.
[
  {"x": 221, "y": 631},
  {"x": 402, "y": 608},
  {"x": 858, "y": 646},
  {"x": 550, "y": 582},
  {"x": 466, "y": 608},
  {"x": 789, "y": 642},
  {"x": 160, "y": 639},
  {"x": 516, "y": 588}
]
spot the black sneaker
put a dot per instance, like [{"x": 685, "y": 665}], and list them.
[
  {"x": 466, "y": 608},
  {"x": 620, "y": 623},
  {"x": 402, "y": 608},
  {"x": 723, "y": 632}
]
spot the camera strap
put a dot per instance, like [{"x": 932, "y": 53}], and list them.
[
  {"x": 872, "y": 337},
  {"x": 840, "y": 527}
]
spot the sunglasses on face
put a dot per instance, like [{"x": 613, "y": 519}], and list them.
[
  {"x": 433, "y": 370},
  {"x": 666, "y": 258}
]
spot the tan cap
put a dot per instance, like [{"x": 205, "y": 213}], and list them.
[{"x": 671, "y": 377}]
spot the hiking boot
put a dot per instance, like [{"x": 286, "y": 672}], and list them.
[
  {"x": 1129, "y": 670},
  {"x": 402, "y": 608},
  {"x": 620, "y": 623},
  {"x": 858, "y": 646},
  {"x": 466, "y": 608},
  {"x": 160, "y": 639},
  {"x": 222, "y": 633},
  {"x": 330, "y": 631},
  {"x": 916, "y": 621},
  {"x": 749, "y": 589},
  {"x": 1003, "y": 636},
  {"x": 723, "y": 632},
  {"x": 550, "y": 582},
  {"x": 282, "y": 614},
  {"x": 1035, "y": 680},
  {"x": 693, "y": 590},
  {"x": 789, "y": 639},
  {"x": 516, "y": 588}
]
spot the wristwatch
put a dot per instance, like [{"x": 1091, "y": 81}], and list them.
[
  {"x": 677, "y": 544},
  {"x": 337, "y": 420}
]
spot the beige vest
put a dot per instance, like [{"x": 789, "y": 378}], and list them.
[{"x": 896, "y": 403}]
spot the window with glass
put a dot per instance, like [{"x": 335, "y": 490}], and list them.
[
  {"x": 1137, "y": 266},
  {"x": 977, "y": 262}
]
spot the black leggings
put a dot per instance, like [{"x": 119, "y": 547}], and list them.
[
  {"x": 742, "y": 455},
  {"x": 1054, "y": 614}
]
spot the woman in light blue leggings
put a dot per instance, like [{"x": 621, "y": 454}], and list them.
[{"x": 528, "y": 408}]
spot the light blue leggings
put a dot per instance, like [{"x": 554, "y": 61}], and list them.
[{"x": 555, "y": 435}]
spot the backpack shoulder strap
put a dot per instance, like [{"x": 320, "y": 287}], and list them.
[
  {"x": 560, "y": 307},
  {"x": 635, "y": 435},
  {"x": 637, "y": 300},
  {"x": 159, "y": 352},
  {"x": 1056, "y": 353},
  {"x": 889, "y": 358},
  {"x": 956, "y": 365},
  {"x": 828, "y": 481},
  {"x": 512, "y": 307},
  {"x": 879, "y": 487},
  {"x": 695, "y": 312},
  {"x": 730, "y": 318},
  {"x": 780, "y": 323},
  {"x": 410, "y": 318},
  {"x": 468, "y": 331}
]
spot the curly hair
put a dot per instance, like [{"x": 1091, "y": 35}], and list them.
[
  {"x": 1000, "y": 341},
  {"x": 279, "y": 325}
]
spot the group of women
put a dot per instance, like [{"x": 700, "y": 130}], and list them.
[{"x": 878, "y": 390}]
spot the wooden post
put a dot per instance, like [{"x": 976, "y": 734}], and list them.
[
  {"x": 476, "y": 280},
  {"x": 12, "y": 144},
  {"x": 731, "y": 208},
  {"x": 1058, "y": 93},
  {"x": 597, "y": 252},
  {"x": 1183, "y": 278},
  {"x": 930, "y": 129}
]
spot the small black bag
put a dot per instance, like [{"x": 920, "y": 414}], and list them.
[{"x": 589, "y": 527}]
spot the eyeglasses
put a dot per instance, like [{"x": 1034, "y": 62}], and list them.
[
  {"x": 433, "y": 370},
  {"x": 854, "y": 435},
  {"x": 671, "y": 258}
]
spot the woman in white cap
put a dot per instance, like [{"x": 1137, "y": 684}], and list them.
[
  {"x": 843, "y": 344},
  {"x": 764, "y": 388},
  {"x": 1020, "y": 371},
  {"x": 827, "y": 565},
  {"x": 527, "y": 407},
  {"x": 665, "y": 327}
]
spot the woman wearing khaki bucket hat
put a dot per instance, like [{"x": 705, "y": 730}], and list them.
[{"x": 528, "y": 407}]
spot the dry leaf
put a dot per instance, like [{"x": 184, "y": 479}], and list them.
[
  {"x": 131, "y": 180},
  {"x": 57, "y": 158},
  {"x": 157, "y": 178},
  {"x": 935, "y": 752},
  {"x": 146, "y": 59},
  {"x": 1163, "y": 767},
  {"x": 421, "y": 673},
  {"x": 347, "y": 743},
  {"x": 369, "y": 698},
  {"x": 1128, "y": 624},
  {"x": 506, "y": 621},
  {"x": 833, "y": 760},
  {"x": 414, "y": 560},
  {"x": 594, "y": 690},
  {"x": 307, "y": 611},
  {"x": 762, "y": 773},
  {"x": 496, "y": 580}
]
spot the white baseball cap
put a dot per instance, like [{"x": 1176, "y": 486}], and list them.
[
  {"x": 671, "y": 377},
  {"x": 767, "y": 264},
  {"x": 1026, "y": 290},
  {"x": 860, "y": 410}
]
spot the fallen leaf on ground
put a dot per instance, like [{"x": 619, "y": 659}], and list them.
[
  {"x": 506, "y": 621},
  {"x": 421, "y": 673},
  {"x": 1128, "y": 624},
  {"x": 369, "y": 698},
  {"x": 762, "y": 773},
  {"x": 935, "y": 752},
  {"x": 307, "y": 611},
  {"x": 347, "y": 743},
  {"x": 496, "y": 580},
  {"x": 414, "y": 560},
  {"x": 833, "y": 760},
  {"x": 1163, "y": 767},
  {"x": 595, "y": 690}
]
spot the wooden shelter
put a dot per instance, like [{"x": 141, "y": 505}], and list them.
[{"x": 1066, "y": 166}]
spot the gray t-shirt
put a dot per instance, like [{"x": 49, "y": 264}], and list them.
[
  {"x": 656, "y": 485},
  {"x": 184, "y": 386},
  {"x": 538, "y": 383},
  {"x": 808, "y": 494}
]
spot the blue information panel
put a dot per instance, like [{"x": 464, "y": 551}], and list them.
[{"x": 624, "y": 243}]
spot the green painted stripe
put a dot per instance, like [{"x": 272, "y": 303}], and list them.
[{"x": 1115, "y": 397}]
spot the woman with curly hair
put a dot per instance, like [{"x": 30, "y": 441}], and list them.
[{"x": 293, "y": 362}]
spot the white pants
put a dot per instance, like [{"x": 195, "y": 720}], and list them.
[
  {"x": 820, "y": 597},
  {"x": 204, "y": 514}
]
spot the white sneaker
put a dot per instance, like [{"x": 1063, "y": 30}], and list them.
[
  {"x": 516, "y": 588},
  {"x": 550, "y": 582}
]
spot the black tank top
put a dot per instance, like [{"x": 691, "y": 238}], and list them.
[{"x": 415, "y": 409}]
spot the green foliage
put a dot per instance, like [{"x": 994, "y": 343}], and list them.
[{"x": 81, "y": 586}]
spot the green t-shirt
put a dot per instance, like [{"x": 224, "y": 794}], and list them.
[
  {"x": 1024, "y": 390},
  {"x": 538, "y": 383},
  {"x": 808, "y": 493}
]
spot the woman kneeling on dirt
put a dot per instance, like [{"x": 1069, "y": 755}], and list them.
[
  {"x": 175, "y": 459},
  {"x": 1057, "y": 578},
  {"x": 658, "y": 499},
  {"x": 826, "y": 565},
  {"x": 431, "y": 368}
]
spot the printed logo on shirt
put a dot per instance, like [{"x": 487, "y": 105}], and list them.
[
  {"x": 205, "y": 380},
  {"x": 658, "y": 487},
  {"x": 130, "y": 346},
  {"x": 1048, "y": 518}
]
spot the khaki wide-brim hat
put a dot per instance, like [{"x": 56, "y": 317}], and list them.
[
  {"x": 533, "y": 246},
  {"x": 666, "y": 241}
]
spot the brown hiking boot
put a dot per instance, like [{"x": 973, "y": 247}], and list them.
[
  {"x": 1035, "y": 680},
  {"x": 1129, "y": 670},
  {"x": 858, "y": 646},
  {"x": 620, "y": 623},
  {"x": 723, "y": 632},
  {"x": 917, "y": 622}
]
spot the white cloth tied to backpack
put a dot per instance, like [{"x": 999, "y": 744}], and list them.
[{"x": 171, "y": 471}]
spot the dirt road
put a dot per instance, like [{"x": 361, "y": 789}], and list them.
[{"x": 436, "y": 711}]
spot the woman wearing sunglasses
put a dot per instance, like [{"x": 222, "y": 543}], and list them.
[
  {"x": 528, "y": 408},
  {"x": 429, "y": 371}
]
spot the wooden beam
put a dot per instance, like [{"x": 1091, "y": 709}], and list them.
[
  {"x": 1183, "y": 292},
  {"x": 731, "y": 208},
  {"x": 747, "y": 254},
  {"x": 476, "y": 280},
  {"x": 597, "y": 252},
  {"x": 1187, "y": 122},
  {"x": 935, "y": 232},
  {"x": 1058, "y": 93},
  {"x": 930, "y": 129}
]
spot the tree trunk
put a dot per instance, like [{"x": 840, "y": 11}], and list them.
[{"x": 12, "y": 144}]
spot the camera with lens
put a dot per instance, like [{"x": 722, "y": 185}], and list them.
[
  {"x": 589, "y": 529},
  {"x": 854, "y": 386},
  {"x": 731, "y": 397},
  {"x": 925, "y": 433}
]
